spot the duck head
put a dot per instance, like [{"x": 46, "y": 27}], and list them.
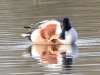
[{"x": 66, "y": 26}]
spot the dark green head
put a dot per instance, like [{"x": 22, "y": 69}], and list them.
[{"x": 66, "y": 24}]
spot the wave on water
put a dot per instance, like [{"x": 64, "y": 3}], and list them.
[{"x": 88, "y": 42}]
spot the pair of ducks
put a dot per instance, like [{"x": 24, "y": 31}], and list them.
[{"x": 53, "y": 32}]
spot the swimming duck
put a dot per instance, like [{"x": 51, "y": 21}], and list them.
[{"x": 53, "y": 32}]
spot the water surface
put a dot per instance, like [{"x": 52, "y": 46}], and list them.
[{"x": 84, "y": 17}]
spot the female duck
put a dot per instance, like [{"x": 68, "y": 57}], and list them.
[{"x": 53, "y": 32}]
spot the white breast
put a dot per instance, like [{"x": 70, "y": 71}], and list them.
[{"x": 70, "y": 37}]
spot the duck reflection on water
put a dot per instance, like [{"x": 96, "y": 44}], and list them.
[{"x": 53, "y": 55}]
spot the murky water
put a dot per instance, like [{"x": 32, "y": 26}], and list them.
[{"x": 16, "y": 59}]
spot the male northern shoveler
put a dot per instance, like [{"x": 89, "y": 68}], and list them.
[{"x": 53, "y": 32}]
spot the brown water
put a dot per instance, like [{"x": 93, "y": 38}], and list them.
[{"x": 84, "y": 17}]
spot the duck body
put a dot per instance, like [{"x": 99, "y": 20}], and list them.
[
  {"x": 51, "y": 32},
  {"x": 45, "y": 32}
]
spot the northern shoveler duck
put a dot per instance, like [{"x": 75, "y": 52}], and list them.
[{"x": 53, "y": 32}]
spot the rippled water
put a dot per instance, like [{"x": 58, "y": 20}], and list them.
[{"x": 16, "y": 59}]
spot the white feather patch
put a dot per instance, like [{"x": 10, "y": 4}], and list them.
[{"x": 25, "y": 35}]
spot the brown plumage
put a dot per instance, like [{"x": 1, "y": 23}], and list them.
[
  {"x": 48, "y": 53},
  {"x": 48, "y": 31}
]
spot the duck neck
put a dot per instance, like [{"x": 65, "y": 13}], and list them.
[
  {"x": 62, "y": 35},
  {"x": 67, "y": 26}
]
